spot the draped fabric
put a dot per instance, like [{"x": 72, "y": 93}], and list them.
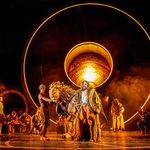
[
  {"x": 117, "y": 110},
  {"x": 88, "y": 113}
]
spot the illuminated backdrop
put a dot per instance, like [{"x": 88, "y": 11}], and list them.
[{"x": 124, "y": 38}]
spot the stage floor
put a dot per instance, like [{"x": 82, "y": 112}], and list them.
[{"x": 121, "y": 140}]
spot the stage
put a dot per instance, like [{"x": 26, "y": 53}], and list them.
[{"x": 110, "y": 140}]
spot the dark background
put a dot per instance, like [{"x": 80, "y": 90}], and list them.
[{"x": 19, "y": 18}]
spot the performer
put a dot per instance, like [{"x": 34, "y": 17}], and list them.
[
  {"x": 12, "y": 120},
  {"x": 44, "y": 105},
  {"x": 25, "y": 121},
  {"x": 117, "y": 110},
  {"x": 36, "y": 123},
  {"x": 2, "y": 115},
  {"x": 144, "y": 123},
  {"x": 88, "y": 105}
]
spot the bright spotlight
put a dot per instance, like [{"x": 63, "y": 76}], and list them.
[{"x": 89, "y": 74}]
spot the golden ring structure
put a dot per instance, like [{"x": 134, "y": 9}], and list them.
[
  {"x": 71, "y": 59},
  {"x": 88, "y": 61}
]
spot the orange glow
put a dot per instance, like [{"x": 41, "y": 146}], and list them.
[
  {"x": 89, "y": 74},
  {"x": 88, "y": 61}
]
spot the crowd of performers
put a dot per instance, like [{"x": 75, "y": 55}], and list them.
[
  {"x": 23, "y": 124},
  {"x": 81, "y": 120}
]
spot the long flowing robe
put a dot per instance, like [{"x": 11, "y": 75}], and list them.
[
  {"x": 117, "y": 116},
  {"x": 93, "y": 109}
]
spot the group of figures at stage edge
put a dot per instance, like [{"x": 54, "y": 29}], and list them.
[{"x": 79, "y": 111}]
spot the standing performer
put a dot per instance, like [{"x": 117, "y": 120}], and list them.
[
  {"x": 44, "y": 104},
  {"x": 117, "y": 110},
  {"x": 89, "y": 107},
  {"x": 2, "y": 116}
]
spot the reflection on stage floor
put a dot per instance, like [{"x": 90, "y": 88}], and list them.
[{"x": 110, "y": 140}]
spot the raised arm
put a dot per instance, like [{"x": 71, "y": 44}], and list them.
[{"x": 40, "y": 96}]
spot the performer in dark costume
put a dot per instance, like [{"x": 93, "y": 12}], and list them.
[
  {"x": 144, "y": 123},
  {"x": 25, "y": 121},
  {"x": 44, "y": 104}
]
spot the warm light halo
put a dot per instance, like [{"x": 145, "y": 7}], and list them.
[
  {"x": 83, "y": 48},
  {"x": 89, "y": 74}
]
